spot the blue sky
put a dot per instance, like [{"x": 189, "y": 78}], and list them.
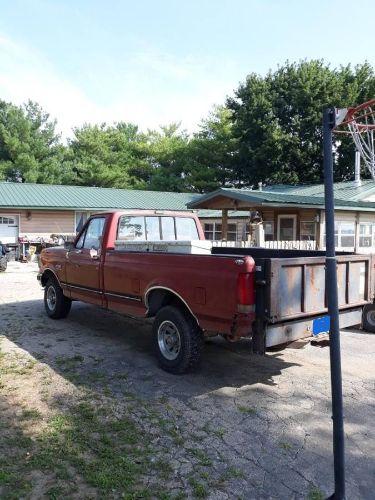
[{"x": 157, "y": 61}]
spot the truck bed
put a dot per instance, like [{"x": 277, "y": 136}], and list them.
[{"x": 290, "y": 289}]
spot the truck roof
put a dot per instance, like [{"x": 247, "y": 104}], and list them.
[{"x": 173, "y": 213}]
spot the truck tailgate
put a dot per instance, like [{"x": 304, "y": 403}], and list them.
[{"x": 296, "y": 286}]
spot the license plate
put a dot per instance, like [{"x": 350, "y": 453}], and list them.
[{"x": 321, "y": 325}]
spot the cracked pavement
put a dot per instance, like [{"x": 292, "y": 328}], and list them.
[{"x": 245, "y": 426}]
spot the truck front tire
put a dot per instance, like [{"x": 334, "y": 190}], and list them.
[
  {"x": 368, "y": 318},
  {"x": 178, "y": 340},
  {"x": 56, "y": 304}
]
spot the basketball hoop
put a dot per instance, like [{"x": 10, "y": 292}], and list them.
[{"x": 360, "y": 123}]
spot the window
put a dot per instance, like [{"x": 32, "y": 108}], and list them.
[
  {"x": 344, "y": 234},
  {"x": 347, "y": 234},
  {"x": 287, "y": 228},
  {"x": 213, "y": 231},
  {"x": 186, "y": 229},
  {"x": 210, "y": 231},
  {"x": 152, "y": 229},
  {"x": 92, "y": 236},
  {"x": 167, "y": 229},
  {"x": 268, "y": 230},
  {"x": 9, "y": 221},
  {"x": 131, "y": 228},
  {"x": 366, "y": 233},
  {"x": 307, "y": 231}
]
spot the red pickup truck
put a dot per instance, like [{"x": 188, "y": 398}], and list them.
[
  {"x": 122, "y": 261},
  {"x": 157, "y": 264}
]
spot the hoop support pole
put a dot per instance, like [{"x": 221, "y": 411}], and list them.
[{"x": 333, "y": 310}]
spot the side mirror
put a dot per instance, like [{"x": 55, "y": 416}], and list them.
[{"x": 68, "y": 245}]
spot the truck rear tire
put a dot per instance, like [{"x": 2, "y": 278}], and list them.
[
  {"x": 56, "y": 304},
  {"x": 368, "y": 318},
  {"x": 178, "y": 340}
]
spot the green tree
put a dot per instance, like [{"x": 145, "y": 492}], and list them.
[
  {"x": 30, "y": 149},
  {"x": 167, "y": 154},
  {"x": 277, "y": 121},
  {"x": 109, "y": 156},
  {"x": 212, "y": 153}
]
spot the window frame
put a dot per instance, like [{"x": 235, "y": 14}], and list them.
[
  {"x": 287, "y": 216},
  {"x": 84, "y": 233},
  {"x": 159, "y": 217}
]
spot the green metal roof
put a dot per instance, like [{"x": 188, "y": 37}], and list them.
[
  {"x": 276, "y": 198},
  {"x": 343, "y": 190},
  {"x": 47, "y": 196}
]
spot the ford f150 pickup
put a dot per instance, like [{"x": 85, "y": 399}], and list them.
[{"x": 157, "y": 264}]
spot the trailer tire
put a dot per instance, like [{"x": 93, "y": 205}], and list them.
[
  {"x": 178, "y": 340},
  {"x": 3, "y": 264},
  {"x": 57, "y": 306},
  {"x": 368, "y": 318}
]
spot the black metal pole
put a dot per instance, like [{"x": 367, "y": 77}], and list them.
[{"x": 331, "y": 291}]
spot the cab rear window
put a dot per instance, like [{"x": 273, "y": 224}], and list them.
[{"x": 156, "y": 228}]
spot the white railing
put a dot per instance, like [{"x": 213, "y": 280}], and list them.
[{"x": 275, "y": 245}]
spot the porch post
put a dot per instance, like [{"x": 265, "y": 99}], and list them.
[{"x": 224, "y": 224}]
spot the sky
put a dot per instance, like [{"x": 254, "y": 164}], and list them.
[{"x": 153, "y": 62}]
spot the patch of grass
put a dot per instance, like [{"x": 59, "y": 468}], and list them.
[
  {"x": 201, "y": 456},
  {"x": 30, "y": 414},
  {"x": 247, "y": 409},
  {"x": 285, "y": 445},
  {"x": 55, "y": 492},
  {"x": 315, "y": 494},
  {"x": 200, "y": 490},
  {"x": 5, "y": 477},
  {"x": 164, "y": 468},
  {"x": 219, "y": 432},
  {"x": 232, "y": 473},
  {"x": 108, "y": 452}
]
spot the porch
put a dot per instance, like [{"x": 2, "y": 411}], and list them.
[{"x": 246, "y": 218}]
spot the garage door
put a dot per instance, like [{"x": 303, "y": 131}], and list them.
[{"x": 8, "y": 228}]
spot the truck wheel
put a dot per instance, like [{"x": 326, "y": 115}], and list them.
[
  {"x": 368, "y": 318},
  {"x": 56, "y": 304},
  {"x": 178, "y": 340}
]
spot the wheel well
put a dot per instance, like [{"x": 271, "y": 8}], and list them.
[
  {"x": 159, "y": 298},
  {"x": 46, "y": 275}
]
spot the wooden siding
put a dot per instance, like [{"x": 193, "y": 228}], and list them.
[{"x": 43, "y": 223}]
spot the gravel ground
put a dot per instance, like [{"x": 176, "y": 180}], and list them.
[{"x": 243, "y": 426}]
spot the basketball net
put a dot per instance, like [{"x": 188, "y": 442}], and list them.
[{"x": 360, "y": 123}]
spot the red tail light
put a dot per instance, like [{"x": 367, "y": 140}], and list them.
[{"x": 245, "y": 289}]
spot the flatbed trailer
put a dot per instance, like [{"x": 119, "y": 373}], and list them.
[{"x": 290, "y": 292}]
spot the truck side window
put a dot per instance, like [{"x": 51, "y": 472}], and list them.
[
  {"x": 94, "y": 233},
  {"x": 167, "y": 229},
  {"x": 131, "y": 228},
  {"x": 186, "y": 229},
  {"x": 152, "y": 229}
]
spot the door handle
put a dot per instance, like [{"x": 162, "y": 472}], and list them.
[{"x": 77, "y": 251}]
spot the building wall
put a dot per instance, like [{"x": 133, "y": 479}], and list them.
[{"x": 43, "y": 223}]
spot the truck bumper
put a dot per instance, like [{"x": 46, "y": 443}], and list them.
[{"x": 287, "y": 332}]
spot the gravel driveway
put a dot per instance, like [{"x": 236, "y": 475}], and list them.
[{"x": 87, "y": 413}]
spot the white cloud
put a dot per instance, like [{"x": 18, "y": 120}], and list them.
[{"x": 158, "y": 89}]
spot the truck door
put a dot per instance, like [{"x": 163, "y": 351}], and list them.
[{"x": 83, "y": 264}]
